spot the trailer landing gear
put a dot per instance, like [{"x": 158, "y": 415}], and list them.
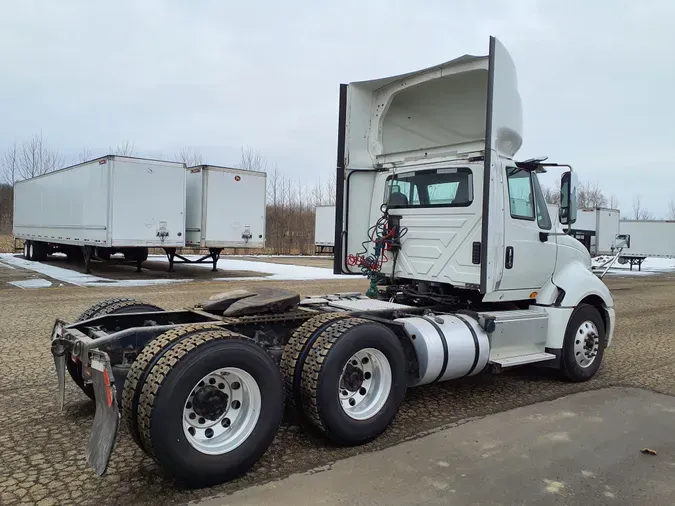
[{"x": 214, "y": 255}]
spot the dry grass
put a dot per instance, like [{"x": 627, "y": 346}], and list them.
[{"x": 7, "y": 243}]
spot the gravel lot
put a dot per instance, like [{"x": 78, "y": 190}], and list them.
[{"x": 41, "y": 450}]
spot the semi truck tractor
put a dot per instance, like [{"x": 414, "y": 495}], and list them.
[{"x": 468, "y": 275}]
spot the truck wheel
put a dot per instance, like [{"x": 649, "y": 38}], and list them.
[
  {"x": 584, "y": 344},
  {"x": 296, "y": 350},
  {"x": 39, "y": 251},
  {"x": 354, "y": 380},
  {"x": 26, "y": 250},
  {"x": 210, "y": 407},
  {"x": 108, "y": 306},
  {"x": 140, "y": 368}
]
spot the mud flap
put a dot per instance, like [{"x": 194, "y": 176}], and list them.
[
  {"x": 59, "y": 351},
  {"x": 107, "y": 419}
]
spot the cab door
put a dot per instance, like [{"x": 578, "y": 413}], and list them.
[{"x": 529, "y": 239}]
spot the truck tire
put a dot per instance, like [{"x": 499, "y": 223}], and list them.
[
  {"x": 210, "y": 407},
  {"x": 26, "y": 250},
  {"x": 39, "y": 251},
  {"x": 140, "y": 368},
  {"x": 30, "y": 250},
  {"x": 109, "y": 306},
  {"x": 295, "y": 352},
  {"x": 354, "y": 380},
  {"x": 584, "y": 345}
]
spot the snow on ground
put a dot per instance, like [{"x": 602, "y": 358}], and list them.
[
  {"x": 276, "y": 272},
  {"x": 31, "y": 283},
  {"x": 651, "y": 265}
]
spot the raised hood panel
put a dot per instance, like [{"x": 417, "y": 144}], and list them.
[{"x": 435, "y": 112}]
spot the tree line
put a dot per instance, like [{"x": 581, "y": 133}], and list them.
[
  {"x": 290, "y": 203},
  {"x": 590, "y": 195}
]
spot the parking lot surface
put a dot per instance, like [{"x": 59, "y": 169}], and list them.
[{"x": 42, "y": 450}]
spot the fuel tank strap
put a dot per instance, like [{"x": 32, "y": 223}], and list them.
[
  {"x": 444, "y": 343},
  {"x": 475, "y": 342}
]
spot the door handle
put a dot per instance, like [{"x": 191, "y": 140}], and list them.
[{"x": 508, "y": 262}]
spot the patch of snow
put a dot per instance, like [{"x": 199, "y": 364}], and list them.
[
  {"x": 78, "y": 278},
  {"x": 277, "y": 272},
  {"x": 273, "y": 271},
  {"x": 31, "y": 283},
  {"x": 650, "y": 266}
]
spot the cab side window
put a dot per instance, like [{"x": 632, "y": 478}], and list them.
[{"x": 521, "y": 201}]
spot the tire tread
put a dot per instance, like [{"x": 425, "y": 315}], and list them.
[
  {"x": 152, "y": 386},
  {"x": 313, "y": 366}
]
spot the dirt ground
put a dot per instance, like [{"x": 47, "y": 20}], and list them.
[{"x": 42, "y": 450}]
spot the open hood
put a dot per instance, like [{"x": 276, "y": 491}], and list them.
[{"x": 452, "y": 109}]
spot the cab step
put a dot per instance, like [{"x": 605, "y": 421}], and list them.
[{"x": 530, "y": 358}]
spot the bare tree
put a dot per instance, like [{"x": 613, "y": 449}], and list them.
[
  {"x": 639, "y": 212},
  {"x": 671, "y": 209},
  {"x": 10, "y": 164},
  {"x": 252, "y": 160},
  {"x": 189, "y": 157},
  {"x": 590, "y": 195},
  {"x": 551, "y": 195},
  {"x": 35, "y": 158},
  {"x": 125, "y": 149},
  {"x": 84, "y": 156},
  {"x": 613, "y": 202}
]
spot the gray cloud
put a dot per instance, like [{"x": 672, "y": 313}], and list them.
[{"x": 595, "y": 77}]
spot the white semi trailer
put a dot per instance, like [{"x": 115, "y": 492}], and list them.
[
  {"x": 324, "y": 228},
  {"x": 597, "y": 229},
  {"x": 101, "y": 207},
  {"x": 468, "y": 275},
  {"x": 647, "y": 238},
  {"x": 225, "y": 208}
]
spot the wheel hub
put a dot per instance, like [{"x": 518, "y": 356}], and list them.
[
  {"x": 352, "y": 378},
  {"x": 365, "y": 384},
  {"x": 209, "y": 402},
  {"x": 586, "y": 344}
]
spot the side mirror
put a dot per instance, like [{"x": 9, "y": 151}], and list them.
[{"x": 568, "y": 198}]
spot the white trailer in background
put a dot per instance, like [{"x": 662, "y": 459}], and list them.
[
  {"x": 324, "y": 228},
  {"x": 647, "y": 238},
  {"x": 597, "y": 228},
  {"x": 101, "y": 207},
  {"x": 225, "y": 208}
]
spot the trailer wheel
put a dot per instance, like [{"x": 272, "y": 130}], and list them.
[
  {"x": 109, "y": 306},
  {"x": 584, "y": 345},
  {"x": 26, "y": 250},
  {"x": 354, "y": 380},
  {"x": 140, "y": 368},
  {"x": 296, "y": 350},
  {"x": 210, "y": 407}
]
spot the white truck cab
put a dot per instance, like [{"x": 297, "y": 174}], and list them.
[{"x": 436, "y": 150}]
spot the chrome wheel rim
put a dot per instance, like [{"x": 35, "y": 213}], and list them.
[
  {"x": 586, "y": 344},
  {"x": 365, "y": 384},
  {"x": 30, "y": 251},
  {"x": 25, "y": 250},
  {"x": 221, "y": 411}
]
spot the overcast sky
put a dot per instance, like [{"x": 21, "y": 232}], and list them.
[{"x": 596, "y": 77}]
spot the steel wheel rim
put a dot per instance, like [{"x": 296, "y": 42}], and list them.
[
  {"x": 365, "y": 384},
  {"x": 223, "y": 432},
  {"x": 586, "y": 344},
  {"x": 25, "y": 250}
]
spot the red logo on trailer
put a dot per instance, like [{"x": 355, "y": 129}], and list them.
[{"x": 237, "y": 178}]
